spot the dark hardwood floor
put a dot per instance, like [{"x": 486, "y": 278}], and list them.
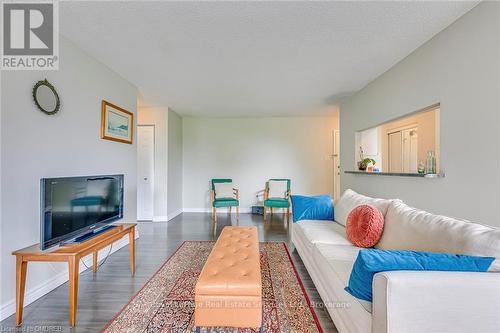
[{"x": 102, "y": 295}]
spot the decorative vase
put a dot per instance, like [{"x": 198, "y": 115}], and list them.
[
  {"x": 361, "y": 166},
  {"x": 430, "y": 167},
  {"x": 421, "y": 167}
]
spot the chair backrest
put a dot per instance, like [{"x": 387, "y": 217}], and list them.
[
  {"x": 220, "y": 180},
  {"x": 288, "y": 182}
]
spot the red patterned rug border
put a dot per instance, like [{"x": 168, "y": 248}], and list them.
[
  {"x": 304, "y": 292},
  {"x": 145, "y": 284}
]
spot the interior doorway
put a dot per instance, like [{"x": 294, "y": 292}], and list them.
[
  {"x": 403, "y": 150},
  {"x": 145, "y": 171},
  {"x": 336, "y": 164}
]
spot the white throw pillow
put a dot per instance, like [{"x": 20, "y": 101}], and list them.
[
  {"x": 350, "y": 200},
  {"x": 224, "y": 191},
  {"x": 277, "y": 189},
  {"x": 408, "y": 228}
]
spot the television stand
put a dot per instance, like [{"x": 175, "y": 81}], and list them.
[
  {"x": 70, "y": 253},
  {"x": 89, "y": 235}
]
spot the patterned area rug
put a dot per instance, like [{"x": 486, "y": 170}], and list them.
[{"x": 166, "y": 302}]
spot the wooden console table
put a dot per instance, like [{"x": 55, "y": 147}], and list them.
[{"x": 71, "y": 253}]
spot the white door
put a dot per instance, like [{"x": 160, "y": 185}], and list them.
[
  {"x": 336, "y": 164},
  {"x": 410, "y": 150},
  {"x": 395, "y": 152},
  {"x": 145, "y": 172}
]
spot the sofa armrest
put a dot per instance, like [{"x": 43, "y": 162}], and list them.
[{"x": 411, "y": 301}]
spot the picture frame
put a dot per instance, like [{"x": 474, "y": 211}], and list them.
[{"x": 117, "y": 124}]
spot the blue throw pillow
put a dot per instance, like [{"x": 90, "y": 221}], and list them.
[
  {"x": 371, "y": 261},
  {"x": 319, "y": 207}
]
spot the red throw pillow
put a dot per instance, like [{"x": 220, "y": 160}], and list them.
[{"x": 365, "y": 224}]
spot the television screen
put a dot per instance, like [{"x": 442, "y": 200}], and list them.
[{"x": 75, "y": 205}]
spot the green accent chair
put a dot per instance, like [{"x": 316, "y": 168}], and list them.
[
  {"x": 277, "y": 202},
  {"x": 224, "y": 202}
]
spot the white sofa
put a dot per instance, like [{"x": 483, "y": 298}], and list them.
[{"x": 403, "y": 301}]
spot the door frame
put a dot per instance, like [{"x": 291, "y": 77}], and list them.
[
  {"x": 336, "y": 165},
  {"x": 154, "y": 168}
]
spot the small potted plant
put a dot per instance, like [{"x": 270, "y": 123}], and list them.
[
  {"x": 364, "y": 161},
  {"x": 363, "y": 164}
]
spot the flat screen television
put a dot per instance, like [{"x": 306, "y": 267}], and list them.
[{"x": 74, "y": 206}]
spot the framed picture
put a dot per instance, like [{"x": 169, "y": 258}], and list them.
[{"x": 117, "y": 124}]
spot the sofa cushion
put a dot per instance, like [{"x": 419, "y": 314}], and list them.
[
  {"x": 339, "y": 260},
  {"x": 350, "y": 200},
  {"x": 365, "y": 224},
  {"x": 310, "y": 232},
  {"x": 318, "y": 207},
  {"x": 372, "y": 261},
  {"x": 408, "y": 228},
  {"x": 323, "y": 232}
]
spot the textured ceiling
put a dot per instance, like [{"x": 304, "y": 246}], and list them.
[{"x": 252, "y": 58}]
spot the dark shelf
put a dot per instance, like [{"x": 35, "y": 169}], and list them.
[{"x": 396, "y": 174}]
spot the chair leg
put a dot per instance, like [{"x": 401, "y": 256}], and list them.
[
  {"x": 271, "y": 212},
  {"x": 237, "y": 215},
  {"x": 214, "y": 220},
  {"x": 265, "y": 218},
  {"x": 288, "y": 215}
]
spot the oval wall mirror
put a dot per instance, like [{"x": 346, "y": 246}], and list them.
[{"x": 46, "y": 97}]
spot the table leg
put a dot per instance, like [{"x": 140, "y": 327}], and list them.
[
  {"x": 94, "y": 261},
  {"x": 74, "y": 265},
  {"x": 131, "y": 241},
  {"x": 21, "y": 268}
]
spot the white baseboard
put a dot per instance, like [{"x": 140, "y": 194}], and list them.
[
  {"x": 243, "y": 210},
  {"x": 174, "y": 214},
  {"x": 160, "y": 218},
  {"x": 9, "y": 308},
  {"x": 167, "y": 217}
]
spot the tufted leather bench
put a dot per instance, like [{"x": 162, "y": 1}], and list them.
[{"x": 229, "y": 289}]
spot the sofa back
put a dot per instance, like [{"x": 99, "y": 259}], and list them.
[
  {"x": 350, "y": 200},
  {"x": 408, "y": 228}
]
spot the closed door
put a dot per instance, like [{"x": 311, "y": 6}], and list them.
[
  {"x": 395, "y": 152},
  {"x": 336, "y": 164},
  {"x": 410, "y": 150},
  {"x": 145, "y": 172}
]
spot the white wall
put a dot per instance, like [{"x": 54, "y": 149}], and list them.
[
  {"x": 252, "y": 150},
  {"x": 158, "y": 116},
  {"x": 174, "y": 164},
  {"x": 35, "y": 145},
  {"x": 460, "y": 68}
]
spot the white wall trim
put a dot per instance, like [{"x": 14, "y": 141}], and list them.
[
  {"x": 174, "y": 214},
  {"x": 160, "y": 218},
  {"x": 243, "y": 210},
  {"x": 9, "y": 308}
]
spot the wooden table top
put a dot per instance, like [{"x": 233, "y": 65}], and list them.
[{"x": 71, "y": 249}]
